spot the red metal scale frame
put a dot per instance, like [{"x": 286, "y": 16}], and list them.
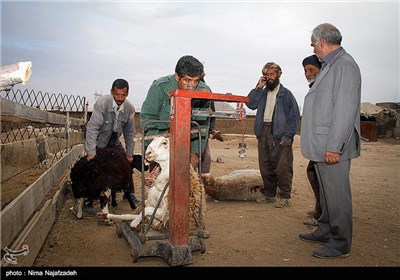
[{"x": 176, "y": 250}]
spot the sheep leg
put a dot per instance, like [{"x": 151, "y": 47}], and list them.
[
  {"x": 113, "y": 199},
  {"x": 105, "y": 197},
  {"x": 105, "y": 209},
  {"x": 115, "y": 217},
  {"x": 79, "y": 208},
  {"x": 158, "y": 215},
  {"x": 130, "y": 200},
  {"x": 122, "y": 217},
  {"x": 136, "y": 221},
  {"x": 148, "y": 211}
]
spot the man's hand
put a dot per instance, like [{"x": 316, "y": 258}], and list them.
[
  {"x": 90, "y": 157},
  {"x": 331, "y": 157},
  {"x": 150, "y": 178},
  {"x": 129, "y": 158},
  {"x": 261, "y": 82},
  {"x": 285, "y": 142},
  {"x": 194, "y": 160},
  {"x": 216, "y": 134}
]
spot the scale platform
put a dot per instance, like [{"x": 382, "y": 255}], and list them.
[{"x": 157, "y": 244}]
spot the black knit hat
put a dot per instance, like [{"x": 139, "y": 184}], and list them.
[{"x": 313, "y": 60}]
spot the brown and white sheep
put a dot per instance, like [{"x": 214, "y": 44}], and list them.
[
  {"x": 159, "y": 151},
  {"x": 240, "y": 185}
]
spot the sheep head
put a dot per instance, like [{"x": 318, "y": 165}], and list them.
[{"x": 158, "y": 150}]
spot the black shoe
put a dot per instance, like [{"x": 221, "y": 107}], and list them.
[
  {"x": 310, "y": 222},
  {"x": 329, "y": 253},
  {"x": 89, "y": 211},
  {"x": 309, "y": 237},
  {"x": 312, "y": 213},
  {"x": 88, "y": 204}
]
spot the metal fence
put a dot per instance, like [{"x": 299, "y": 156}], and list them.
[
  {"x": 14, "y": 130},
  {"x": 56, "y": 103},
  {"x": 51, "y": 102}
]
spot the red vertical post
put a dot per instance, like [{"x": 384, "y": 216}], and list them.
[{"x": 179, "y": 176}]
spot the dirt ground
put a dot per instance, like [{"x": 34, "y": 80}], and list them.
[{"x": 248, "y": 234}]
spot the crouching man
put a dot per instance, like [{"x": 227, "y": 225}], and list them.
[{"x": 112, "y": 117}]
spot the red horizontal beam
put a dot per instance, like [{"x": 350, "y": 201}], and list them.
[{"x": 208, "y": 95}]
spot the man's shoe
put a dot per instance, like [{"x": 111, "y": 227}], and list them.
[
  {"x": 282, "y": 203},
  {"x": 311, "y": 222},
  {"x": 314, "y": 214},
  {"x": 88, "y": 203},
  {"x": 329, "y": 253},
  {"x": 309, "y": 237},
  {"x": 206, "y": 234},
  {"x": 311, "y": 213},
  {"x": 266, "y": 199},
  {"x": 89, "y": 211}
]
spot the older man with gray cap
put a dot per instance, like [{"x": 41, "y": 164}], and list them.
[{"x": 275, "y": 126}]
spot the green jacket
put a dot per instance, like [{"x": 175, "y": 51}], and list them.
[{"x": 157, "y": 107}]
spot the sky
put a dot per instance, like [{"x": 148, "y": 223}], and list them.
[{"x": 81, "y": 47}]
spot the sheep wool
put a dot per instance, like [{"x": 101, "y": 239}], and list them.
[
  {"x": 240, "y": 185},
  {"x": 197, "y": 205}
]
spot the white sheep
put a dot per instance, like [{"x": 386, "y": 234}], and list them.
[
  {"x": 159, "y": 151},
  {"x": 240, "y": 185}
]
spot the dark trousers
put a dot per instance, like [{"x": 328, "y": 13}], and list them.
[
  {"x": 276, "y": 165},
  {"x": 313, "y": 179},
  {"x": 206, "y": 159}
]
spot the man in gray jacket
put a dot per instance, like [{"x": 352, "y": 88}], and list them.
[
  {"x": 112, "y": 117},
  {"x": 330, "y": 136}
]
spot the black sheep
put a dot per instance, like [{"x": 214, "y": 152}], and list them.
[{"x": 109, "y": 171}]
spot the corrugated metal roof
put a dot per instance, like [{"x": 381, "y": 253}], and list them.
[{"x": 224, "y": 106}]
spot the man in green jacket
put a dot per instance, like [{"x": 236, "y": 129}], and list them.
[{"x": 189, "y": 72}]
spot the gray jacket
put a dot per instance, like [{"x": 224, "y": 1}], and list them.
[
  {"x": 331, "y": 111},
  {"x": 101, "y": 125}
]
